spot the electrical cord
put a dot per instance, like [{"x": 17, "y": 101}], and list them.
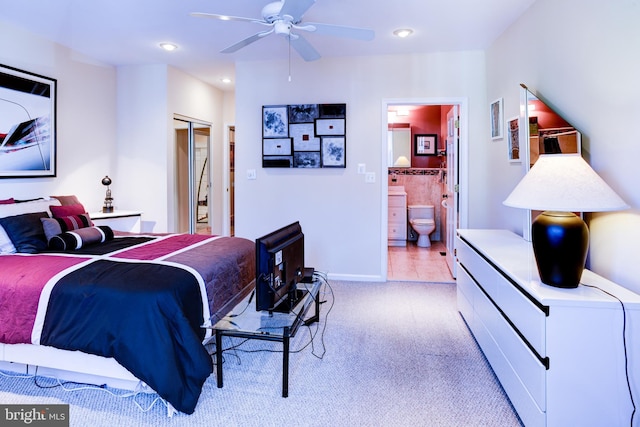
[
  {"x": 245, "y": 308},
  {"x": 624, "y": 343},
  {"x": 64, "y": 385},
  {"x": 312, "y": 333}
]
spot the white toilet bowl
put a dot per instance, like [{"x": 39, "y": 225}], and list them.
[{"x": 421, "y": 218}]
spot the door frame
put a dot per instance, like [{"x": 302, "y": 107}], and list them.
[
  {"x": 463, "y": 164},
  {"x": 226, "y": 182}
]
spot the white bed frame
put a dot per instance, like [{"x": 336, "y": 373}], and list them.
[{"x": 67, "y": 365}]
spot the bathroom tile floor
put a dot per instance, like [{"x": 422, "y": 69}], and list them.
[{"x": 412, "y": 263}]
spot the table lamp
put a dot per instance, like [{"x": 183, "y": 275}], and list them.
[
  {"x": 402, "y": 162},
  {"x": 108, "y": 200},
  {"x": 559, "y": 185}
]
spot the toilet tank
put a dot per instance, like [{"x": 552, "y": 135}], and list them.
[{"x": 421, "y": 212}]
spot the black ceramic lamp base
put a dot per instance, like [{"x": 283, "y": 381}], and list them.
[{"x": 560, "y": 243}]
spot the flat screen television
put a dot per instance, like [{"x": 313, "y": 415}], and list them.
[{"x": 279, "y": 268}]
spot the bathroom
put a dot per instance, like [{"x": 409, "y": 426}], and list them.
[{"x": 417, "y": 176}]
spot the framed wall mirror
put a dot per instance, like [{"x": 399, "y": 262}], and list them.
[
  {"x": 399, "y": 147},
  {"x": 543, "y": 131}
]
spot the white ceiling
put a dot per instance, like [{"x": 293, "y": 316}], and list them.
[{"x": 125, "y": 32}]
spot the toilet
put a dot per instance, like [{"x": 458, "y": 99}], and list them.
[{"x": 422, "y": 220}]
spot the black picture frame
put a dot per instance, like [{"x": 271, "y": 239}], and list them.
[
  {"x": 27, "y": 124},
  {"x": 306, "y": 136},
  {"x": 425, "y": 144}
]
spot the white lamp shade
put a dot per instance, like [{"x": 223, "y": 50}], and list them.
[
  {"x": 402, "y": 162},
  {"x": 564, "y": 182}
]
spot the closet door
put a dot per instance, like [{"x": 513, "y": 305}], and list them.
[{"x": 193, "y": 176}]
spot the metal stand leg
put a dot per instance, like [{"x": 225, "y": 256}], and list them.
[
  {"x": 285, "y": 363},
  {"x": 219, "y": 357}
]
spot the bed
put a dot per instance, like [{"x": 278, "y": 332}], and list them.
[{"x": 116, "y": 308}]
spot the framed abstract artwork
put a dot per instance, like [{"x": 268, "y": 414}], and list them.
[
  {"x": 304, "y": 136},
  {"x": 495, "y": 115},
  {"x": 425, "y": 144},
  {"x": 27, "y": 124}
]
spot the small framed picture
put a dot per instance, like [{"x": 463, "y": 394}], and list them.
[
  {"x": 425, "y": 144},
  {"x": 275, "y": 121},
  {"x": 333, "y": 152},
  {"x": 495, "y": 111},
  {"x": 513, "y": 142},
  {"x": 330, "y": 127}
]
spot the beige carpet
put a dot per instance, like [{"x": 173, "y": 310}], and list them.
[{"x": 397, "y": 354}]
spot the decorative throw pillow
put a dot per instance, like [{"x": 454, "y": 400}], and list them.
[
  {"x": 76, "y": 239},
  {"x": 6, "y": 246},
  {"x": 62, "y": 211},
  {"x": 54, "y": 226},
  {"x": 26, "y": 232},
  {"x": 7, "y": 201}
]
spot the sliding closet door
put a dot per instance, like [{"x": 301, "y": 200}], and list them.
[{"x": 193, "y": 178}]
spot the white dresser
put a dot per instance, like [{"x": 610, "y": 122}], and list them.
[
  {"x": 558, "y": 353},
  {"x": 397, "y": 220}
]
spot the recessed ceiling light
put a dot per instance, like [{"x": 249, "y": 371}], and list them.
[
  {"x": 169, "y": 47},
  {"x": 403, "y": 32},
  {"x": 225, "y": 80}
]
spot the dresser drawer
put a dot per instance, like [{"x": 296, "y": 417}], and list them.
[
  {"x": 397, "y": 231},
  {"x": 523, "y": 372},
  {"x": 398, "y": 201},
  {"x": 527, "y": 317},
  {"x": 397, "y": 215}
]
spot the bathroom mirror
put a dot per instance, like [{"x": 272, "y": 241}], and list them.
[
  {"x": 399, "y": 147},
  {"x": 546, "y": 133}
]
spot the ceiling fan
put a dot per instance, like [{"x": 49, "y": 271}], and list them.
[{"x": 284, "y": 18}]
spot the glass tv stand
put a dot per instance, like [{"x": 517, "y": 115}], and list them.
[{"x": 245, "y": 322}]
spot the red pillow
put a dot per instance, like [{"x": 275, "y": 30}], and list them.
[
  {"x": 7, "y": 201},
  {"x": 70, "y": 210}
]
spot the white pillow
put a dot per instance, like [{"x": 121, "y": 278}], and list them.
[
  {"x": 6, "y": 246},
  {"x": 40, "y": 205},
  {"x": 11, "y": 209}
]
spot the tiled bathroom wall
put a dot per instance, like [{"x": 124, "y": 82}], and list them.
[{"x": 423, "y": 187}]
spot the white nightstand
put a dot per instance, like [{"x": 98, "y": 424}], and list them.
[{"x": 119, "y": 220}]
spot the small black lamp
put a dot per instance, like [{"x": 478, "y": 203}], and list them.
[
  {"x": 559, "y": 185},
  {"x": 108, "y": 200}
]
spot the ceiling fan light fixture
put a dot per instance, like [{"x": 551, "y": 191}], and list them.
[
  {"x": 169, "y": 47},
  {"x": 403, "y": 32}
]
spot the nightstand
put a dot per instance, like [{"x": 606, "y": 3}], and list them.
[{"x": 119, "y": 220}]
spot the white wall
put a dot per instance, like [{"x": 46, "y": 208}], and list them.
[
  {"x": 340, "y": 214},
  {"x": 148, "y": 98},
  {"x": 583, "y": 57},
  {"x": 86, "y": 117}
]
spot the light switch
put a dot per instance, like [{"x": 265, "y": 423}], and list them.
[
  {"x": 370, "y": 177},
  {"x": 362, "y": 168},
  {"x": 251, "y": 174}
]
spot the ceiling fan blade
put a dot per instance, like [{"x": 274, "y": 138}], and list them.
[
  {"x": 296, "y": 8},
  {"x": 246, "y": 42},
  {"x": 338, "y": 30},
  {"x": 225, "y": 17},
  {"x": 303, "y": 47}
]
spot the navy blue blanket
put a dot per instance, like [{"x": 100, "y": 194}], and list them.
[{"x": 151, "y": 327}]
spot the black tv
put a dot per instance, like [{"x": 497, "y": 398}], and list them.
[{"x": 279, "y": 268}]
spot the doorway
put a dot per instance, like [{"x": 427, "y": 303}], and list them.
[
  {"x": 193, "y": 176},
  {"x": 448, "y": 168}
]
